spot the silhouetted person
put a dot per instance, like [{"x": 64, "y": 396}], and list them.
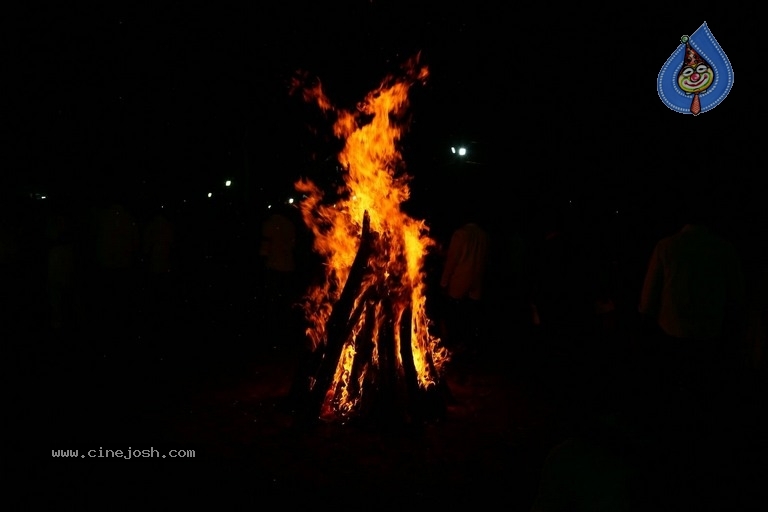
[
  {"x": 507, "y": 285},
  {"x": 11, "y": 256},
  {"x": 118, "y": 238},
  {"x": 9, "y": 244},
  {"x": 62, "y": 266},
  {"x": 690, "y": 304},
  {"x": 157, "y": 248},
  {"x": 560, "y": 297},
  {"x": 15, "y": 270},
  {"x": 462, "y": 280},
  {"x": 278, "y": 243},
  {"x": 693, "y": 291},
  {"x": 590, "y": 471},
  {"x": 116, "y": 255},
  {"x": 605, "y": 346},
  {"x": 157, "y": 243}
]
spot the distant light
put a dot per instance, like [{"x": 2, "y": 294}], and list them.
[
  {"x": 269, "y": 206},
  {"x": 462, "y": 151},
  {"x": 42, "y": 197},
  {"x": 209, "y": 194},
  {"x": 290, "y": 200},
  {"x": 617, "y": 211},
  {"x": 228, "y": 183},
  {"x": 453, "y": 150}
]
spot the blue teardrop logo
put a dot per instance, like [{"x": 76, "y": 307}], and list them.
[{"x": 697, "y": 76}]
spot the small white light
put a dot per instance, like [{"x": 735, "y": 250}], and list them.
[
  {"x": 453, "y": 150},
  {"x": 228, "y": 183},
  {"x": 290, "y": 200},
  {"x": 269, "y": 206},
  {"x": 462, "y": 151},
  {"x": 209, "y": 194}
]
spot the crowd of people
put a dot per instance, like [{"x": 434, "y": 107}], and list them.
[
  {"x": 99, "y": 270},
  {"x": 668, "y": 317},
  {"x": 561, "y": 282},
  {"x": 656, "y": 342}
]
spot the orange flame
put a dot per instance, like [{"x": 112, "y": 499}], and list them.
[{"x": 375, "y": 184}]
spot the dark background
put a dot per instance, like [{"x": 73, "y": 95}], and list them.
[
  {"x": 175, "y": 98},
  {"x": 162, "y": 104}
]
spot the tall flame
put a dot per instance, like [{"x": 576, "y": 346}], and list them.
[{"x": 375, "y": 185}]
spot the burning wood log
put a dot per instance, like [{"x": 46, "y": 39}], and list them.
[
  {"x": 409, "y": 368},
  {"x": 340, "y": 323},
  {"x": 390, "y": 393}
]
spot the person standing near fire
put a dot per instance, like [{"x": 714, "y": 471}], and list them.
[
  {"x": 462, "y": 282},
  {"x": 278, "y": 244},
  {"x": 692, "y": 304},
  {"x": 559, "y": 289},
  {"x": 278, "y": 240}
]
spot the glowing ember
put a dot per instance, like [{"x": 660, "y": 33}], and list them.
[{"x": 388, "y": 306}]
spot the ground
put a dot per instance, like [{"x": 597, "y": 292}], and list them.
[{"x": 513, "y": 411}]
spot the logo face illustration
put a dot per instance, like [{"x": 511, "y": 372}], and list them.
[{"x": 697, "y": 76}]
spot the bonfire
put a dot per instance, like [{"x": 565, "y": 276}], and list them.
[{"x": 367, "y": 319}]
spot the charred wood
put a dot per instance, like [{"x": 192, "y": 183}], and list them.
[{"x": 339, "y": 325}]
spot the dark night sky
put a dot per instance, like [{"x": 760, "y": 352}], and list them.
[{"x": 177, "y": 94}]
